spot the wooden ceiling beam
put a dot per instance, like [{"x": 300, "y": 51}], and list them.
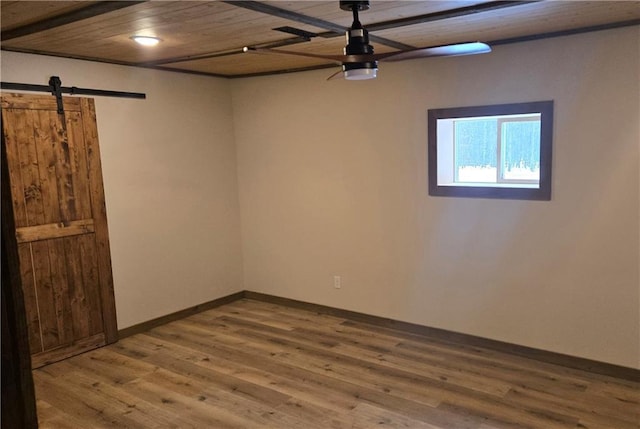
[
  {"x": 309, "y": 20},
  {"x": 445, "y": 14},
  {"x": 95, "y": 9},
  {"x": 569, "y": 32},
  {"x": 518, "y": 39},
  {"x": 338, "y": 30},
  {"x": 206, "y": 55}
]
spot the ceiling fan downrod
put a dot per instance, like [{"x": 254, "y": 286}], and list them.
[{"x": 358, "y": 44}]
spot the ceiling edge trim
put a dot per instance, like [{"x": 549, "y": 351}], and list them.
[{"x": 114, "y": 62}]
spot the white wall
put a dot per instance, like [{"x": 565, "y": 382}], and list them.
[
  {"x": 333, "y": 181},
  {"x": 169, "y": 167}
]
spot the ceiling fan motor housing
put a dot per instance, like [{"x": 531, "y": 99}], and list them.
[{"x": 358, "y": 44}]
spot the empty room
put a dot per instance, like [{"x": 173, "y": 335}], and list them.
[{"x": 321, "y": 214}]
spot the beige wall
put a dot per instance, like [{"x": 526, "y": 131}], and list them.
[
  {"x": 333, "y": 181},
  {"x": 169, "y": 167}
]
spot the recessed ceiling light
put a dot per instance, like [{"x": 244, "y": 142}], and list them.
[{"x": 146, "y": 40}]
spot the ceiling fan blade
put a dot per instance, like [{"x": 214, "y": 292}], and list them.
[
  {"x": 335, "y": 58},
  {"x": 337, "y": 75},
  {"x": 468, "y": 48},
  {"x": 340, "y": 59}
]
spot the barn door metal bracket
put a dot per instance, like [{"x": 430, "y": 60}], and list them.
[{"x": 55, "y": 84}]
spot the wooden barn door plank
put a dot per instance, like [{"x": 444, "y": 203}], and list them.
[
  {"x": 78, "y": 165},
  {"x": 49, "y": 135},
  {"x": 99, "y": 211},
  {"x": 13, "y": 158},
  {"x": 18, "y": 396},
  {"x": 61, "y": 224},
  {"x": 29, "y": 292},
  {"x": 44, "y": 295}
]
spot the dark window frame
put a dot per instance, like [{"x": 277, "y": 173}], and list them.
[{"x": 542, "y": 193}]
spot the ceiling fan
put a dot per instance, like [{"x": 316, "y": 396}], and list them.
[{"x": 359, "y": 61}]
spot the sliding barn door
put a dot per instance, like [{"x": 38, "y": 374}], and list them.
[{"x": 60, "y": 224}]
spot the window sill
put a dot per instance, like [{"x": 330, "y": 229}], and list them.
[
  {"x": 493, "y": 185},
  {"x": 493, "y": 192}
]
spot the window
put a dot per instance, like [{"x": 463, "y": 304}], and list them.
[{"x": 498, "y": 151}]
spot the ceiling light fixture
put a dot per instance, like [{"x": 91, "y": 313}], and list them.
[
  {"x": 358, "y": 44},
  {"x": 146, "y": 40},
  {"x": 361, "y": 73}
]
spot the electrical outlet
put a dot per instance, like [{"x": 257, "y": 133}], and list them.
[{"x": 337, "y": 282}]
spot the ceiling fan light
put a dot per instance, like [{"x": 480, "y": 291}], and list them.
[
  {"x": 146, "y": 40},
  {"x": 361, "y": 74}
]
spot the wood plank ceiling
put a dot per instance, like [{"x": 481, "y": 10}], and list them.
[{"x": 208, "y": 36}]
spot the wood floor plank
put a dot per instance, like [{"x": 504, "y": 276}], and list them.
[
  {"x": 551, "y": 370},
  {"x": 408, "y": 384},
  {"x": 385, "y": 356},
  {"x": 255, "y": 357},
  {"x": 52, "y": 417},
  {"x": 392, "y": 382},
  {"x": 197, "y": 413},
  {"x": 122, "y": 403},
  {"x": 251, "y": 364},
  {"x": 103, "y": 362},
  {"x": 613, "y": 389},
  {"x": 310, "y": 359},
  {"x": 309, "y": 401},
  {"x": 368, "y": 416},
  {"x": 82, "y": 404},
  {"x": 294, "y": 387},
  {"x": 600, "y": 412}
]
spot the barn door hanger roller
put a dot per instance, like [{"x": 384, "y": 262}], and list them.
[{"x": 55, "y": 85}]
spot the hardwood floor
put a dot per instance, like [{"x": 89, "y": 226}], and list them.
[{"x": 251, "y": 364}]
